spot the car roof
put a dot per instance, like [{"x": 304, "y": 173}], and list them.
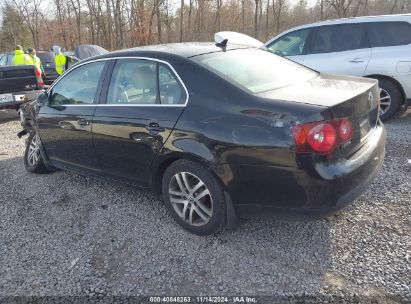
[
  {"x": 184, "y": 49},
  {"x": 381, "y": 18}
]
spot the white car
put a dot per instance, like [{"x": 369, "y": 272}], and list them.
[{"x": 376, "y": 47}]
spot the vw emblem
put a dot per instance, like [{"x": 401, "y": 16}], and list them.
[{"x": 370, "y": 99}]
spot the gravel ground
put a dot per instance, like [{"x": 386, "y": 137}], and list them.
[{"x": 64, "y": 234}]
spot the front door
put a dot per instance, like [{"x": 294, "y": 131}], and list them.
[
  {"x": 65, "y": 122},
  {"x": 144, "y": 99}
]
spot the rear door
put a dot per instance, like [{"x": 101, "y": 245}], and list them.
[
  {"x": 143, "y": 100},
  {"x": 341, "y": 49},
  {"x": 291, "y": 45},
  {"x": 65, "y": 123}
]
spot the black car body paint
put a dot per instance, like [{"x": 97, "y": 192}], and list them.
[{"x": 244, "y": 138}]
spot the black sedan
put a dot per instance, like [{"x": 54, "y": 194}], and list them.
[{"x": 220, "y": 131}]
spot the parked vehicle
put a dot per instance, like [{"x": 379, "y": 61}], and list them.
[
  {"x": 219, "y": 130},
  {"x": 6, "y": 59},
  {"x": 81, "y": 52},
  {"x": 85, "y": 51},
  {"x": 49, "y": 65},
  {"x": 18, "y": 83},
  {"x": 377, "y": 47}
]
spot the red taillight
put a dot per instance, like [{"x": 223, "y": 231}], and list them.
[
  {"x": 344, "y": 128},
  {"x": 321, "y": 137}
]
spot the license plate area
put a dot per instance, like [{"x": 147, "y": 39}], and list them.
[
  {"x": 6, "y": 98},
  {"x": 365, "y": 128}
]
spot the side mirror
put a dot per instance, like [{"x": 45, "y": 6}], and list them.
[{"x": 43, "y": 99}]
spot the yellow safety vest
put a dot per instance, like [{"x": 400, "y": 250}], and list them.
[
  {"x": 21, "y": 58},
  {"x": 60, "y": 63}
]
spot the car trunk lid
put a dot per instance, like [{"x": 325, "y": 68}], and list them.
[{"x": 342, "y": 97}]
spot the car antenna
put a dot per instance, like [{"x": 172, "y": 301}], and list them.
[{"x": 222, "y": 44}]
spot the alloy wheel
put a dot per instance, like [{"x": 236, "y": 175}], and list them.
[
  {"x": 191, "y": 199},
  {"x": 385, "y": 101},
  {"x": 34, "y": 151}
]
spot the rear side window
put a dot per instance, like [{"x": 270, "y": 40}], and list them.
[
  {"x": 389, "y": 33},
  {"x": 339, "y": 38},
  {"x": 291, "y": 44},
  {"x": 170, "y": 89},
  {"x": 144, "y": 82},
  {"x": 133, "y": 82}
]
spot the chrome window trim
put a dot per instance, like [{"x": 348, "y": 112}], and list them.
[{"x": 125, "y": 105}]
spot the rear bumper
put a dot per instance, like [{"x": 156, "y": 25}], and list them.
[{"x": 333, "y": 187}]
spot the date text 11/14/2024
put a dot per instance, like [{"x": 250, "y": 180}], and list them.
[{"x": 203, "y": 299}]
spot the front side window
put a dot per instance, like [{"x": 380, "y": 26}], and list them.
[
  {"x": 255, "y": 70},
  {"x": 79, "y": 86},
  {"x": 146, "y": 82},
  {"x": 338, "y": 38},
  {"x": 389, "y": 33},
  {"x": 291, "y": 44}
]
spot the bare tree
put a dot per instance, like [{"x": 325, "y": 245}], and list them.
[
  {"x": 341, "y": 7},
  {"x": 219, "y": 3},
  {"x": 278, "y": 10},
  {"x": 257, "y": 2},
  {"x": 29, "y": 11},
  {"x": 181, "y": 19},
  {"x": 266, "y": 19}
]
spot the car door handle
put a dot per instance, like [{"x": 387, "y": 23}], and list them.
[
  {"x": 83, "y": 122},
  {"x": 357, "y": 60},
  {"x": 154, "y": 128}
]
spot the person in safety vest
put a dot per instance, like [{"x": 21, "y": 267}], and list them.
[
  {"x": 36, "y": 60},
  {"x": 60, "y": 60},
  {"x": 20, "y": 57}
]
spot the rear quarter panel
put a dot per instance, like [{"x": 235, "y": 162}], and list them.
[{"x": 235, "y": 134}]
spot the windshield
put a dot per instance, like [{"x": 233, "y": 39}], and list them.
[{"x": 255, "y": 70}]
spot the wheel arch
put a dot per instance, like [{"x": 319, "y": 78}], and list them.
[
  {"x": 393, "y": 80},
  {"x": 158, "y": 169}
]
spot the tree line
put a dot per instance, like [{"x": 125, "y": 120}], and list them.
[{"x": 118, "y": 24}]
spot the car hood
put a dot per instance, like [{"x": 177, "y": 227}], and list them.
[{"x": 323, "y": 90}]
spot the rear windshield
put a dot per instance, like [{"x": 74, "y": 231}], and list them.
[
  {"x": 46, "y": 56},
  {"x": 255, "y": 70}
]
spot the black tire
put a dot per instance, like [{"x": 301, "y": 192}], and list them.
[
  {"x": 396, "y": 98},
  {"x": 216, "y": 199},
  {"x": 35, "y": 165}
]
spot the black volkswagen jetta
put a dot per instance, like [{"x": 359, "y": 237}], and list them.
[{"x": 219, "y": 131}]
